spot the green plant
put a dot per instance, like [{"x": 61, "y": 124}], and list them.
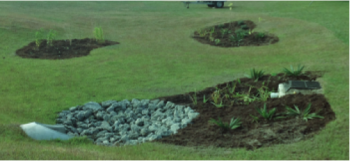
[
  {"x": 293, "y": 72},
  {"x": 217, "y": 41},
  {"x": 51, "y": 36},
  {"x": 291, "y": 112},
  {"x": 273, "y": 74},
  {"x": 250, "y": 32},
  {"x": 212, "y": 30},
  {"x": 238, "y": 38},
  {"x": 218, "y": 105},
  {"x": 241, "y": 22},
  {"x": 211, "y": 38},
  {"x": 204, "y": 100},
  {"x": 260, "y": 35},
  {"x": 216, "y": 96},
  {"x": 232, "y": 39},
  {"x": 38, "y": 37},
  {"x": 223, "y": 32},
  {"x": 234, "y": 123},
  {"x": 307, "y": 116},
  {"x": 263, "y": 94},
  {"x": 264, "y": 113},
  {"x": 244, "y": 27},
  {"x": 98, "y": 32},
  {"x": 231, "y": 90},
  {"x": 221, "y": 26},
  {"x": 256, "y": 75},
  {"x": 202, "y": 34},
  {"x": 246, "y": 98},
  {"x": 255, "y": 119},
  {"x": 194, "y": 98},
  {"x": 230, "y": 5},
  {"x": 239, "y": 81}
]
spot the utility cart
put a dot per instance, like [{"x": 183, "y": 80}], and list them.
[{"x": 216, "y": 4}]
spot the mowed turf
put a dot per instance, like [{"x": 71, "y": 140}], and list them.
[{"x": 156, "y": 57}]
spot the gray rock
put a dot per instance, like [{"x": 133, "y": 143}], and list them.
[{"x": 125, "y": 122}]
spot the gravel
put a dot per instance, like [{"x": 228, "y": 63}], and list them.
[{"x": 115, "y": 123}]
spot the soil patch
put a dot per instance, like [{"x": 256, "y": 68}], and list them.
[
  {"x": 252, "y": 134},
  {"x": 61, "y": 49},
  {"x": 234, "y": 34}
]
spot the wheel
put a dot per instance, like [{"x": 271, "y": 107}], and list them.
[
  {"x": 211, "y": 5},
  {"x": 219, "y": 4}
]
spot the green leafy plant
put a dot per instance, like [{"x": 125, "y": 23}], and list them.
[
  {"x": 216, "y": 96},
  {"x": 264, "y": 94},
  {"x": 223, "y": 32},
  {"x": 218, "y": 105},
  {"x": 256, "y": 75},
  {"x": 250, "y": 32},
  {"x": 98, "y": 32},
  {"x": 264, "y": 113},
  {"x": 232, "y": 89},
  {"x": 241, "y": 22},
  {"x": 212, "y": 30},
  {"x": 217, "y": 41},
  {"x": 234, "y": 123},
  {"x": 51, "y": 36},
  {"x": 255, "y": 119},
  {"x": 233, "y": 39},
  {"x": 204, "y": 100},
  {"x": 38, "y": 37},
  {"x": 260, "y": 35},
  {"x": 293, "y": 72},
  {"x": 202, "y": 34},
  {"x": 246, "y": 98},
  {"x": 240, "y": 34},
  {"x": 239, "y": 81},
  {"x": 211, "y": 38},
  {"x": 273, "y": 74}
]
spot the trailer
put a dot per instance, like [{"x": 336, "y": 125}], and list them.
[{"x": 216, "y": 4}]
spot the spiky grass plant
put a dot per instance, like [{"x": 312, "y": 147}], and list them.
[
  {"x": 38, "y": 37},
  {"x": 293, "y": 72},
  {"x": 268, "y": 115},
  {"x": 256, "y": 75},
  {"x": 204, "y": 100},
  {"x": 194, "y": 98},
  {"x": 234, "y": 123},
  {"x": 218, "y": 105},
  {"x": 307, "y": 116}
]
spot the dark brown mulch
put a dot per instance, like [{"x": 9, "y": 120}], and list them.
[
  {"x": 61, "y": 49},
  {"x": 203, "y": 36},
  {"x": 251, "y": 134}
]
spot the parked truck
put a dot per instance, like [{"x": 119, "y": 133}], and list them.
[{"x": 216, "y": 4}]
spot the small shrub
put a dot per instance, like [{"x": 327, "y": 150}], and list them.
[
  {"x": 307, "y": 116},
  {"x": 217, "y": 41},
  {"x": 234, "y": 123},
  {"x": 98, "y": 32},
  {"x": 293, "y": 72},
  {"x": 265, "y": 114},
  {"x": 260, "y": 35},
  {"x": 256, "y": 75},
  {"x": 38, "y": 37},
  {"x": 51, "y": 36}
]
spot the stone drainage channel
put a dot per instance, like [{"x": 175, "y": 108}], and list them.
[{"x": 125, "y": 123}]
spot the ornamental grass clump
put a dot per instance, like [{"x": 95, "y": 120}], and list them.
[
  {"x": 293, "y": 72},
  {"x": 98, "y": 32},
  {"x": 305, "y": 115},
  {"x": 268, "y": 115},
  {"x": 194, "y": 98},
  {"x": 234, "y": 123},
  {"x": 256, "y": 75}
]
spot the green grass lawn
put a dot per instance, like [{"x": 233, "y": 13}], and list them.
[{"x": 156, "y": 57}]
